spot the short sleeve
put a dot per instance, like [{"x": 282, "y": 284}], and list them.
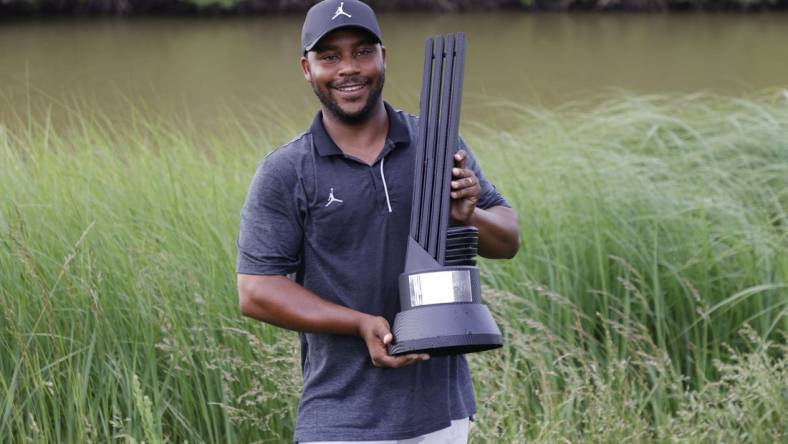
[
  {"x": 490, "y": 197},
  {"x": 271, "y": 231}
]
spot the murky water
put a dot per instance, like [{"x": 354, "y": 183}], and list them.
[{"x": 216, "y": 66}]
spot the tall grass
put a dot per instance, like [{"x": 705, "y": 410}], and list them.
[{"x": 648, "y": 302}]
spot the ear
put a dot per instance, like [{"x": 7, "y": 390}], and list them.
[
  {"x": 383, "y": 52},
  {"x": 305, "y": 69}
]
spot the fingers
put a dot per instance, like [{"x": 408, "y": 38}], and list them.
[
  {"x": 465, "y": 184},
  {"x": 459, "y": 173},
  {"x": 389, "y": 361},
  {"x": 464, "y": 180},
  {"x": 378, "y": 336},
  {"x": 382, "y": 330},
  {"x": 381, "y": 358},
  {"x": 459, "y": 158},
  {"x": 470, "y": 193},
  {"x": 465, "y": 190}
]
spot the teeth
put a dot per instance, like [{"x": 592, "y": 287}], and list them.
[{"x": 350, "y": 88}]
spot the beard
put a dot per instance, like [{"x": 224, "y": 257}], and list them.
[{"x": 330, "y": 103}]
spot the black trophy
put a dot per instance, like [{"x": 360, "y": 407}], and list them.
[{"x": 440, "y": 293}]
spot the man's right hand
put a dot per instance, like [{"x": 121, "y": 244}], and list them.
[{"x": 376, "y": 333}]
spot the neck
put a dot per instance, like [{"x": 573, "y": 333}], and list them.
[{"x": 364, "y": 140}]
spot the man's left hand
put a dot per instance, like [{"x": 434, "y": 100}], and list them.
[{"x": 465, "y": 190}]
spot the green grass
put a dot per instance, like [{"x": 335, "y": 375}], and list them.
[{"x": 647, "y": 304}]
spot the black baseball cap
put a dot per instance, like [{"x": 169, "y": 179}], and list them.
[{"x": 329, "y": 15}]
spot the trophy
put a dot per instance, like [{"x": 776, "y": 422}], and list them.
[{"x": 440, "y": 292}]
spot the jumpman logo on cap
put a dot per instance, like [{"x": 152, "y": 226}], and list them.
[{"x": 341, "y": 11}]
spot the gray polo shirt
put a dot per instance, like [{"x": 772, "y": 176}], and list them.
[{"x": 340, "y": 226}]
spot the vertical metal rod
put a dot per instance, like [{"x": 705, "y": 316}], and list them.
[
  {"x": 424, "y": 107},
  {"x": 453, "y": 138},
  {"x": 430, "y": 147},
  {"x": 441, "y": 197}
]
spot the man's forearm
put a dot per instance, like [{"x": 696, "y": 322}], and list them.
[
  {"x": 499, "y": 233},
  {"x": 279, "y": 301}
]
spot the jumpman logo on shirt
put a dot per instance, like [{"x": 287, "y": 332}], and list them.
[
  {"x": 340, "y": 11},
  {"x": 332, "y": 199}
]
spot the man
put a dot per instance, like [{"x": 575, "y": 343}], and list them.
[{"x": 332, "y": 207}]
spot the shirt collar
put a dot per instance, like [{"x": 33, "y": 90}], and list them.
[{"x": 398, "y": 132}]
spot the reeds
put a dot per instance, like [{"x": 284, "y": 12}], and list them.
[{"x": 647, "y": 304}]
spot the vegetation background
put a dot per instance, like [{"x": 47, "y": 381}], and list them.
[{"x": 648, "y": 303}]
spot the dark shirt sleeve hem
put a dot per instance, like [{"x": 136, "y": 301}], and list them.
[{"x": 264, "y": 271}]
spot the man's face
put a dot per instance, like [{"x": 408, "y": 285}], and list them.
[{"x": 347, "y": 70}]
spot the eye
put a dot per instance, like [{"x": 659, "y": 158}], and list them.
[
  {"x": 328, "y": 58},
  {"x": 365, "y": 51}
]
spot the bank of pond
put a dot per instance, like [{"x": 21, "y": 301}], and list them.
[{"x": 21, "y": 8}]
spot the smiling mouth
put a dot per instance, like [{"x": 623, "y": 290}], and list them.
[{"x": 350, "y": 88}]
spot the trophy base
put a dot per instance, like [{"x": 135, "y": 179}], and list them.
[
  {"x": 447, "y": 345},
  {"x": 445, "y": 329}
]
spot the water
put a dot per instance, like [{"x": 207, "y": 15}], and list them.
[{"x": 239, "y": 66}]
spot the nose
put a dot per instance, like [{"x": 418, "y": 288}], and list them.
[{"x": 349, "y": 67}]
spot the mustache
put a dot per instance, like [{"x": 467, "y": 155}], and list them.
[{"x": 350, "y": 81}]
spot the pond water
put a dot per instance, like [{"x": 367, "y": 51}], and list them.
[{"x": 238, "y": 65}]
